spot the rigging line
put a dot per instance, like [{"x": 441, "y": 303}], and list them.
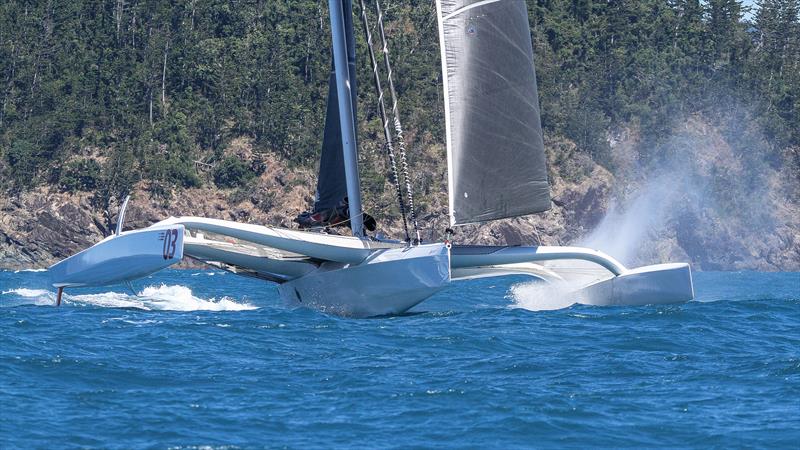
[
  {"x": 401, "y": 143},
  {"x": 384, "y": 118},
  {"x": 330, "y": 225}
]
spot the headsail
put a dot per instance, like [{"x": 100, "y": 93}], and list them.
[
  {"x": 331, "y": 184},
  {"x": 495, "y": 152}
]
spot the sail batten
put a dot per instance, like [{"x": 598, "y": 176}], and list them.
[
  {"x": 469, "y": 6},
  {"x": 495, "y": 151}
]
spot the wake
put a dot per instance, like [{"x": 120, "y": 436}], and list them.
[{"x": 151, "y": 298}]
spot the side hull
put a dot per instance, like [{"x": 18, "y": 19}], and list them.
[
  {"x": 117, "y": 259},
  {"x": 608, "y": 284},
  {"x": 388, "y": 282},
  {"x": 650, "y": 285}
]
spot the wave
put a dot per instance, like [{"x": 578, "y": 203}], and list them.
[
  {"x": 30, "y": 270},
  {"x": 151, "y": 298}
]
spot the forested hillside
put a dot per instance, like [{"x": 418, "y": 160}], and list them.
[{"x": 100, "y": 98}]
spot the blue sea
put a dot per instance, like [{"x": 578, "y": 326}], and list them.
[{"x": 206, "y": 359}]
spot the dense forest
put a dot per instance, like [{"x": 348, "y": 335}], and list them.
[{"x": 100, "y": 95}]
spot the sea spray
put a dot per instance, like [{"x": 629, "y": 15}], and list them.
[
  {"x": 156, "y": 298},
  {"x": 180, "y": 298},
  {"x": 626, "y": 226},
  {"x": 541, "y": 296},
  {"x": 698, "y": 203},
  {"x": 704, "y": 191},
  {"x": 25, "y": 292},
  {"x": 26, "y": 296}
]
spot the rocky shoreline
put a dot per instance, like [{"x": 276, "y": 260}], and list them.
[{"x": 42, "y": 226}]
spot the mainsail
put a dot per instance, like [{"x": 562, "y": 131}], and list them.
[
  {"x": 495, "y": 153},
  {"x": 331, "y": 184}
]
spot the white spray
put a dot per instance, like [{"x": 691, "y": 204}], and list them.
[
  {"x": 698, "y": 181},
  {"x": 155, "y": 298}
]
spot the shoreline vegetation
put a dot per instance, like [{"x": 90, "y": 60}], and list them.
[{"x": 683, "y": 113}]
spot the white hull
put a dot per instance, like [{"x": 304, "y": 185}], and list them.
[
  {"x": 661, "y": 284},
  {"x": 390, "y": 282},
  {"x": 121, "y": 258},
  {"x": 594, "y": 278}
]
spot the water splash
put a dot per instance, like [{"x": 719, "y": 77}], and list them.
[
  {"x": 626, "y": 226},
  {"x": 151, "y": 298},
  {"x": 25, "y": 296},
  {"x": 180, "y": 298},
  {"x": 705, "y": 188},
  {"x": 25, "y": 292},
  {"x": 538, "y": 296}
]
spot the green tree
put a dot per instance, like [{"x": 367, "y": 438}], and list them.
[{"x": 232, "y": 172}]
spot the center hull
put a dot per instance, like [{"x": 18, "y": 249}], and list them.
[{"x": 390, "y": 282}]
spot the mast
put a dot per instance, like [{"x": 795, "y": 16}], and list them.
[{"x": 346, "y": 119}]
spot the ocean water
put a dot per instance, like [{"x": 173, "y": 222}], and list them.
[{"x": 208, "y": 359}]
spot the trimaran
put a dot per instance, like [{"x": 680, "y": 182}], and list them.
[{"x": 496, "y": 169}]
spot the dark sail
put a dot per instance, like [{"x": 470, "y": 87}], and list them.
[
  {"x": 331, "y": 184},
  {"x": 495, "y": 152}
]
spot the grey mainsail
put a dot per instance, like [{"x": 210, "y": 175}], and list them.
[
  {"x": 331, "y": 183},
  {"x": 495, "y": 152}
]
